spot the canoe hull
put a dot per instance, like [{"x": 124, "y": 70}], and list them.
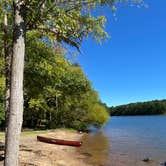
[{"x": 58, "y": 141}]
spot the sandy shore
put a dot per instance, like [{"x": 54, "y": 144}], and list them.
[{"x": 34, "y": 153}]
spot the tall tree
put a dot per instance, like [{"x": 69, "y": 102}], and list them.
[{"x": 16, "y": 97}]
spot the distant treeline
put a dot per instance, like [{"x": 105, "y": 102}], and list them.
[{"x": 154, "y": 107}]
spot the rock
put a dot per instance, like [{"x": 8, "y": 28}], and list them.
[
  {"x": 163, "y": 164},
  {"x": 146, "y": 159}
]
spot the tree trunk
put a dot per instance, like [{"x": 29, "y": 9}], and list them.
[{"x": 16, "y": 97}]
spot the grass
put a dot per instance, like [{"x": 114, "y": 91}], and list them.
[
  {"x": 25, "y": 133},
  {"x": 36, "y": 132}
]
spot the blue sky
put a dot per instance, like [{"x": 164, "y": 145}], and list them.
[{"x": 131, "y": 65}]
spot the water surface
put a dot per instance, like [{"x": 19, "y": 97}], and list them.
[{"x": 126, "y": 141}]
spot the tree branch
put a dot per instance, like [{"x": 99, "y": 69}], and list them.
[{"x": 61, "y": 37}]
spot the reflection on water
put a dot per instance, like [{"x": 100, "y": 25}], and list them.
[
  {"x": 126, "y": 141},
  {"x": 96, "y": 147}
]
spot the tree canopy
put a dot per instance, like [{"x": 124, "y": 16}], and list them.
[{"x": 56, "y": 92}]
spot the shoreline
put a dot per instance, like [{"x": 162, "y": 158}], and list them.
[{"x": 35, "y": 153}]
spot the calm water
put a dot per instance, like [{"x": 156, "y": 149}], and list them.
[{"x": 126, "y": 141}]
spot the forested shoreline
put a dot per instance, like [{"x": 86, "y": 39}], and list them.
[
  {"x": 57, "y": 93},
  {"x": 155, "y": 107}
]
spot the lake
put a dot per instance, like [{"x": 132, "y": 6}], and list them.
[{"x": 126, "y": 141}]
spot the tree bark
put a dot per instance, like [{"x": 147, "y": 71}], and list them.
[{"x": 16, "y": 97}]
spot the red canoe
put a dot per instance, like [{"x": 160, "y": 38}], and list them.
[{"x": 58, "y": 141}]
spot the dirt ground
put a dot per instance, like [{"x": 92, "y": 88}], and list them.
[{"x": 35, "y": 153}]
